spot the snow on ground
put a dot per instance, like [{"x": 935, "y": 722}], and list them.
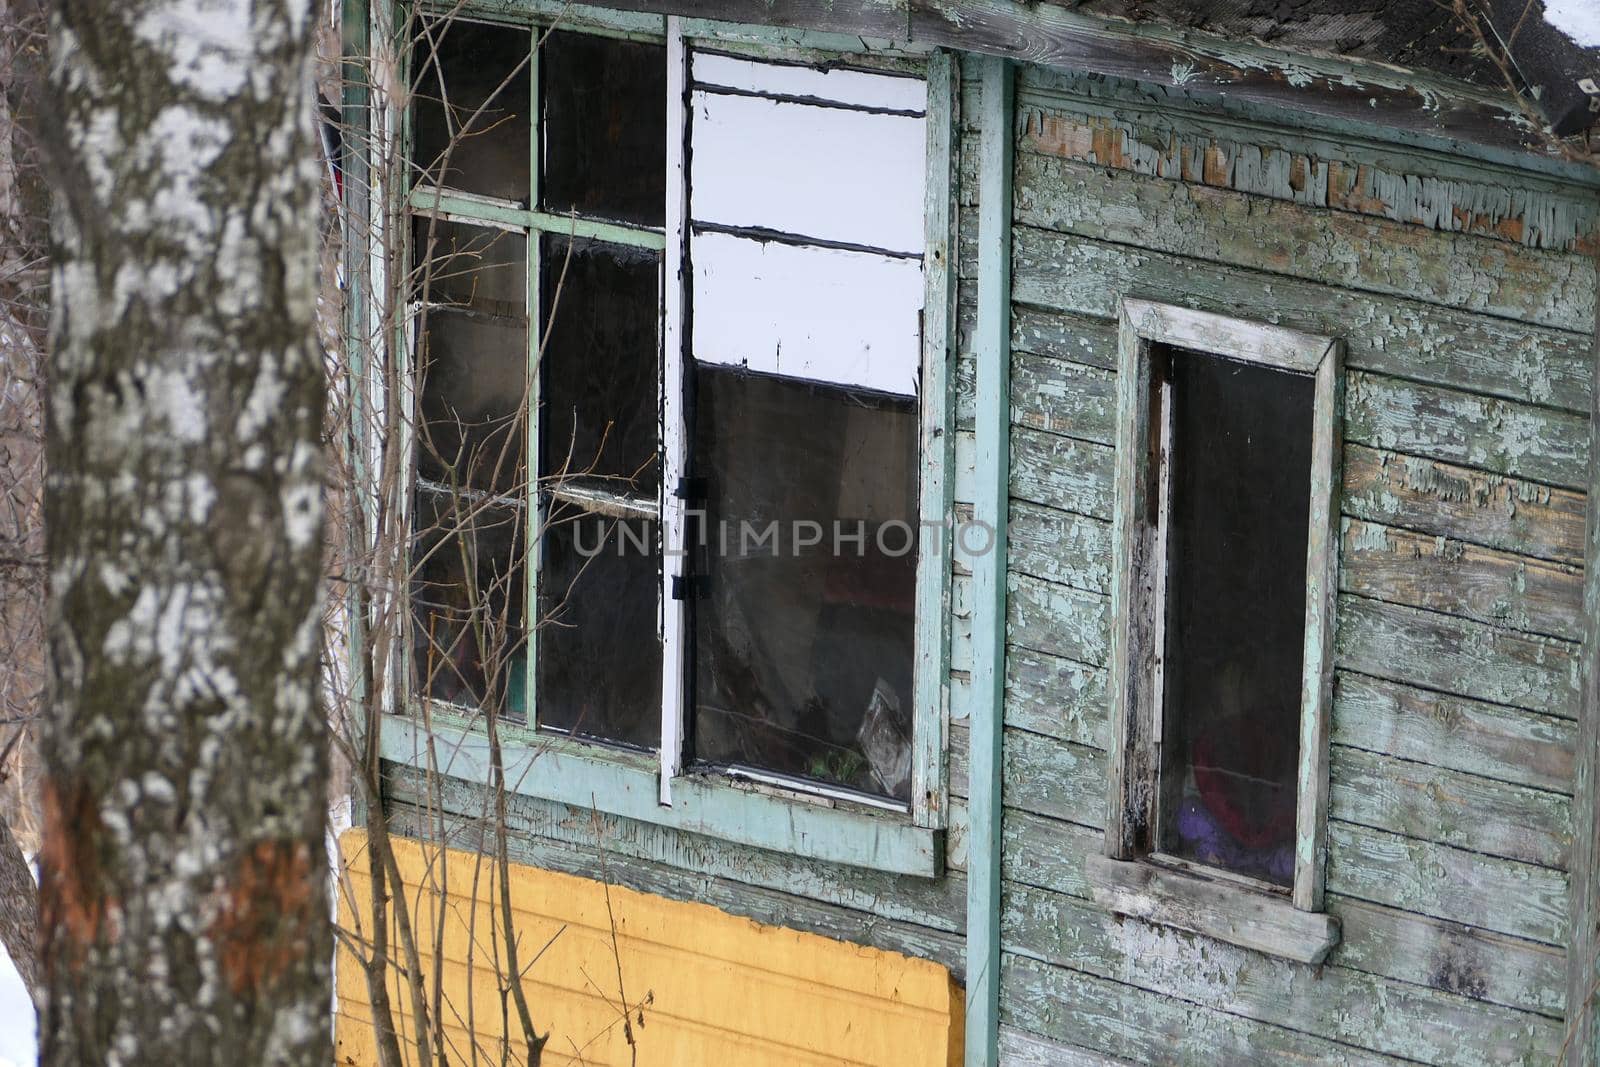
[
  {"x": 19, "y": 1040},
  {"x": 1578, "y": 19}
]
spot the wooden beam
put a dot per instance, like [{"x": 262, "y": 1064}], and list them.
[
  {"x": 991, "y": 346},
  {"x": 1218, "y": 909},
  {"x": 1583, "y": 941},
  {"x": 1352, "y": 96}
]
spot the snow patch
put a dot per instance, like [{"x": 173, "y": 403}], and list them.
[{"x": 1578, "y": 19}]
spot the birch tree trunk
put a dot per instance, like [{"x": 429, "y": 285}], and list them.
[{"x": 183, "y": 901}]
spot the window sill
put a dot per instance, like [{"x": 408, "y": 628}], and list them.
[
  {"x": 628, "y": 785},
  {"x": 1226, "y": 911}
]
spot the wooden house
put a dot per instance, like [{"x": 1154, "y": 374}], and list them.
[{"x": 1059, "y": 529}]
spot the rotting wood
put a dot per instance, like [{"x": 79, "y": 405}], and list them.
[
  {"x": 1485, "y": 433},
  {"x": 1050, "y": 855},
  {"x": 1458, "y": 578},
  {"x": 1114, "y": 133},
  {"x": 1263, "y": 922},
  {"x": 1339, "y": 93},
  {"x": 1467, "y": 505},
  {"x": 1069, "y": 1005},
  {"x": 1468, "y": 273},
  {"x": 1414, "y": 1021},
  {"x": 1489, "y": 740},
  {"x": 1448, "y": 956},
  {"x": 1383, "y": 334},
  {"x": 1583, "y": 956}
]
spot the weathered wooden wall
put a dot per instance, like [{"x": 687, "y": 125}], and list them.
[{"x": 1465, "y": 295}]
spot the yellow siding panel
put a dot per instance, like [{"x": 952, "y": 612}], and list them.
[{"x": 711, "y": 988}]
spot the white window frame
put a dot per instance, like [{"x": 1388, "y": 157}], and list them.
[{"x": 768, "y": 811}]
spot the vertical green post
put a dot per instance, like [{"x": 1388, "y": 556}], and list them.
[
  {"x": 533, "y": 535},
  {"x": 1583, "y": 935},
  {"x": 991, "y": 346}
]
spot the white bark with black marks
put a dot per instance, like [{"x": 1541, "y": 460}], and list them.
[{"x": 183, "y": 899}]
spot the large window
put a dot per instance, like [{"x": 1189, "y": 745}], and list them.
[
  {"x": 1227, "y": 448},
  {"x": 670, "y": 358}
]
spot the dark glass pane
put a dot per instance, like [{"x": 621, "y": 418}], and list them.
[
  {"x": 605, "y": 127},
  {"x": 1236, "y": 601},
  {"x": 473, "y": 95},
  {"x": 599, "y": 659},
  {"x": 804, "y": 651},
  {"x": 467, "y": 593},
  {"x": 601, "y": 365},
  {"x": 466, "y": 266},
  {"x": 472, "y": 373}
]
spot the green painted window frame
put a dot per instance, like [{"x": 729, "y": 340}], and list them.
[
  {"x": 1127, "y": 879},
  {"x": 630, "y": 784}
]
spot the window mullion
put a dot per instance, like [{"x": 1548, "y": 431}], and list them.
[
  {"x": 674, "y": 424},
  {"x": 534, "y": 512}
]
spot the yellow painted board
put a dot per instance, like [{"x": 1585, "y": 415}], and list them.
[{"x": 701, "y": 986}]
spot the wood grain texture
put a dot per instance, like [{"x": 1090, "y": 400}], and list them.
[
  {"x": 1458, "y": 656},
  {"x": 1389, "y": 335},
  {"x": 1425, "y": 726},
  {"x": 1057, "y": 619},
  {"x": 1434, "y": 804},
  {"x": 1019, "y": 1048},
  {"x": 1458, "y": 578},
  {"x": 1262, "y": 922},
  {"x": 1485, "y": 433},
  {"x": 1448, "y": 883},
  {"x": 1336, "y": 248},
  {"x": 1414, "y": 1021},
  {"x": 1070, "y": 1006},
  {"x": 1450, "y": 957},
  {"x": 1050, "y": 855},
  {"x": 1043, "y": 776},
  {"x": 1463, "y": 504},
  {"x": 1583, "y": 951},
  {"x": 1093, "y": 119}
]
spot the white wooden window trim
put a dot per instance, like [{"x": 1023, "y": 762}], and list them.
[{"x": 741, "y": 805}]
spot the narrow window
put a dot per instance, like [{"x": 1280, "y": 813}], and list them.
[
  {"x": 1237, "y": 465},
  {"x": 1226, "y": 573},
  {"x": 805, "y": 243}
]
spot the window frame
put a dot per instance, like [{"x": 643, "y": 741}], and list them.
[
  {"x": 657, "y": 786},
  {"x": 1132, "y": 877}
]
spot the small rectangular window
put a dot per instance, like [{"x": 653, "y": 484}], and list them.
[
  {"x": 603, "y": 150},
  {"x": 472, "y": 92},
  {"x": 1226, "y": 571}
]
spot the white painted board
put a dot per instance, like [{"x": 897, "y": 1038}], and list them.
[
  {"x": 821, "y": 314},
  {"x": 823, "y": 173}
]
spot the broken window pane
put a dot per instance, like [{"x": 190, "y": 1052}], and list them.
[
  {"x": 1240, "y": 476},
  {"x": 601, "y": 364},
  {"x": 471, "y": 113},
  {"x": 804, "y": 631},
  {"x": 599, "y": 657},
  {"x": 467, "y": 594},
  {"x": 605, "y": 132},
  {"x": 466, "y": 266},
  {"x": 848, "y": 318}
]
